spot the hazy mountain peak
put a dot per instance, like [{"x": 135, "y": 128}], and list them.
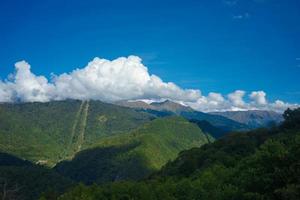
[
  {"x": 166, "y": 105},
  {"x": 253, "y": 118},
  {"x": 134, "y": 104}
]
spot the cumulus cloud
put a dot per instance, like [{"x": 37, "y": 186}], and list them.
[
  {"x": 236, "y": 98},
  {"x": 25, "y": 86},
  {"x": 258, "y": 97},
  {"x": 121, "y": 79}
]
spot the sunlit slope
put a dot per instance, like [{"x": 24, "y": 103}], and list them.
[
  {"x": 136, "y": 154},
  {"x": 50, "y": 132}
]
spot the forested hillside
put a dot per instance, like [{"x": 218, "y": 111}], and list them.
[
  {"x": 21, "y": 179},
  {"x": 47, "y": 133},
  {"x": 67, "y": 142},
  {"x": 134, "y": 155},
  {"x": 123, "y": 153},
  {"x": 260, "y": 164}
]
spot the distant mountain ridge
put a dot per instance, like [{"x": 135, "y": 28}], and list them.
[
  {"x": 168, "y": 107},
  {"x": 226, "y": 121},
  {"x": 171, "y": 106},
  {"x": 253, "y": 118}
]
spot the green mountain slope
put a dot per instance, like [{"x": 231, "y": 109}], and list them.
[
  {"x": 168, "y": 108},
  {"x": 37, "y": 131},
  {"x": 136, "y": 154},
  {"x": 47, "y": 133},
  {"x": 261, "y": 164}
]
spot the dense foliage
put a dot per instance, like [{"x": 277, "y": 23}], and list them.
[
  {"x": 50, "y": 132},
  {"x": 20, "y": 179},
  {"x": 122, "y": 153},
  {"x": 134, "y": 155},
  {"x": 262, "y": 164},
  {"x": 88, "y": 141}
]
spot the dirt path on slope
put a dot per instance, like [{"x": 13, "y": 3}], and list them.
[
  {"x": 69, "y": 150},
  {"x": 74, "y": 126},
  {"x": 83, "y": 126},
  {"x": 77, "y": 132}
]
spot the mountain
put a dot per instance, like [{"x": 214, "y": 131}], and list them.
[
  {"x": 171, "y": 106},
  {"x": 49, "y": 146},
  {"x": 134, "y": 155},
  {"x": 220, "y": 122},
  {"x": 135, "y": 104},
  {"x": 47, "y": 133},
  {"x": 258, "y": 164},
  {"x": 168, "y": 108},
  {"x": 92, "y": 141},
  {"x": 253, "y": 118}
]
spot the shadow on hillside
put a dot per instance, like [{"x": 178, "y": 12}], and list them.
[
  {"x": 21, "y": 179},
  {"x": 11, "y": 160},
  {"x": 99, "y": 165}
]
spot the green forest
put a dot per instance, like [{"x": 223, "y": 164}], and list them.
[
  {"x": 102, "y": 151},
  {"x": 259, "y": 164}
]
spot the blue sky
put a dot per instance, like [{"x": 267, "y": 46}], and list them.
[{"x": 214, "y": 45}]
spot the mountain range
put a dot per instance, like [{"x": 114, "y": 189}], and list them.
[
  {"x": 256, "y": 164},
  {"x": 253, "y": 118},
  {"x": 226, "y": 121},
  {"x": 166, "y": 105},
  {"x": 95, "y": 142}
]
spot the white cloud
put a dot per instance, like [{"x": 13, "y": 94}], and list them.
[
  {"x": 258, "y": 97},
  {"x": 216, "y": 97},
  {"x": 205, "y": 104},
  {"x": 280, "y": 106},
  {"x": 121, "y": 79},
  {"x": 29, "y": 87},
  {"x": 5, "y": 92},
  {"x": 236, "y": 98},
  {"x": 25, "y": 86}
]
